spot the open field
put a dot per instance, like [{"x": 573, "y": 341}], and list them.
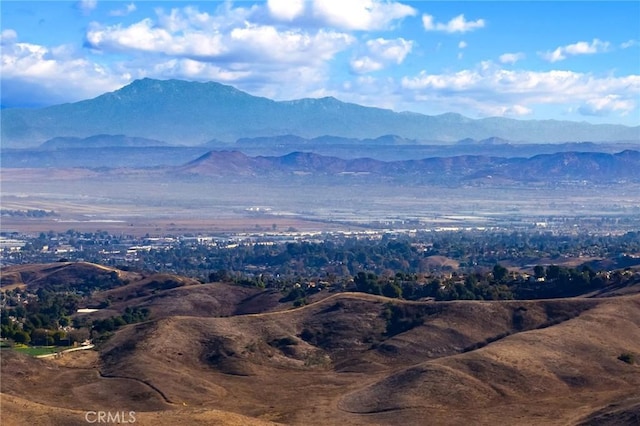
[
  {"x": 38, "y": 350},
  {"x": 177, "y": 226},
  {"x": 140, "y": 204}
]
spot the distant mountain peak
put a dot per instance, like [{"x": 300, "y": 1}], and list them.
[
  {"x": 191, "y": 113},
  {"x": 153, "y": 86}
]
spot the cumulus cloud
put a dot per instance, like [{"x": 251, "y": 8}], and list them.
[
  {"x": 380, "y": 53},
  {"x": 195, "y": 70},
  {"x": 605, "y": 105},
  {"x": 238, "y": 45},
  {"x": 456, "y": 25},
  {"x": 267, "y": 44},
  {"x": 199, "y": 36},
  {"x": 364, "y": 15},
  {"x": 580, "y": 48},
  {"x": 496, "y": 91},
  {"x": 511, "y": 58},
  {"x": 365, "y": 64},
  {"x": 8, "y": 36},
  {"x": 50, "y": 75},
  {"x": 286, "y": 10},
  {"x": 126, "y": 10},
  {"x": 395, "y": 50},
  {"x": 257, "y": 47}
]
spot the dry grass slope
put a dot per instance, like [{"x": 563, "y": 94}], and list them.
[{"x": 349, "y": 358}]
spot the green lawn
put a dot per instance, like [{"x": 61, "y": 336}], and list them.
[{"x": 39, "y": 350}]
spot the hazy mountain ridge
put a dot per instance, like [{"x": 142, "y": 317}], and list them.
[
  {"x": 101, "y": 141},
  {"x": 191, "y": 113},
  {"x": 112, "y": 153},
  {"x": 288, "y": 140},
  {"x": 587, "y": 166}
]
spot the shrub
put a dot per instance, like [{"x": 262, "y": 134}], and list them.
[{"x": 627, "y": 357}]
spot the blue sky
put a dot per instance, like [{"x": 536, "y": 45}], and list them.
[{"x": 574, "y": 60}]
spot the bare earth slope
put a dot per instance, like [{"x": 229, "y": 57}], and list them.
[{"x": 350, "y": 359}]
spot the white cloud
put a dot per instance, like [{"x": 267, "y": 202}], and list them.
[
  {"x": 380, "y": 53},
  {"x": 51, "y": 75},
  {"x": 237, "y": 45},
  {"x": 365, "y": 64},
  {"x": 266, "y": 44},
  {"x": 505, "y": 110},
  {"x": 491, "y": 89},
  {"x": 605, "y": 105},
  {"x": 126, "y": 10},
  {"x": 45, "y": 76},
  {"x": 456, "y": 25},
  {"x": 579, "y": 48},
  {"x": 146, "y": 36},
  {"x": 518, "y": 110},
  {"x": 395, "y": 50},
  {"x": 8, "y": 36},
  {"x": 87, "y": 6},
  {"x": 286, "y": 10},
  {"x": 629, "y": 43},
  {"x": 193, "y": 35},
  {"x": 190, "y": 19},
  {"x": 258, "y": 48},
  {"x": 364, "y": 15},
  {"x": 511, "y": 58},
  {"x": 195, "y": 70}
]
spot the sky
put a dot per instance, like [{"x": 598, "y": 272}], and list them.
[{"x": 572, "y": 60}]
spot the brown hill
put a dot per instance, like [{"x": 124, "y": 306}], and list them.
[
  {"x": 560, "y": 373},
  {"x": 35, "y": 276},
  {"x": 551, "y": 168},
  {"x": 164, "y": 294},
  {"x": 351, "y": 359},
  {"x": 168, "y": 295},
  {"x": 19, "y": 411},
  {"x": 220, "y": 354},
  {"x": 145, "y": 286}
]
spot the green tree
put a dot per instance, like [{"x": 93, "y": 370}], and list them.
[
  {"x": 21, "y": 336},
  {"x": 391, "y": 290},
  {"x": 553, "y": 272},
  {"x": 500, "y": 273}
]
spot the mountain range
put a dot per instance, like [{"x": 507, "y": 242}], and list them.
[
  {"x": 192, "y": 113},
  {"x": 118, "y": 151},
  {"x": 100, "y": 141},
  {"x": 591, "y": 167}
]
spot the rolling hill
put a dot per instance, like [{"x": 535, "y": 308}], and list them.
[
  {"x": 589, "y": 166},
  {"x": 347, "y": 358}
]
